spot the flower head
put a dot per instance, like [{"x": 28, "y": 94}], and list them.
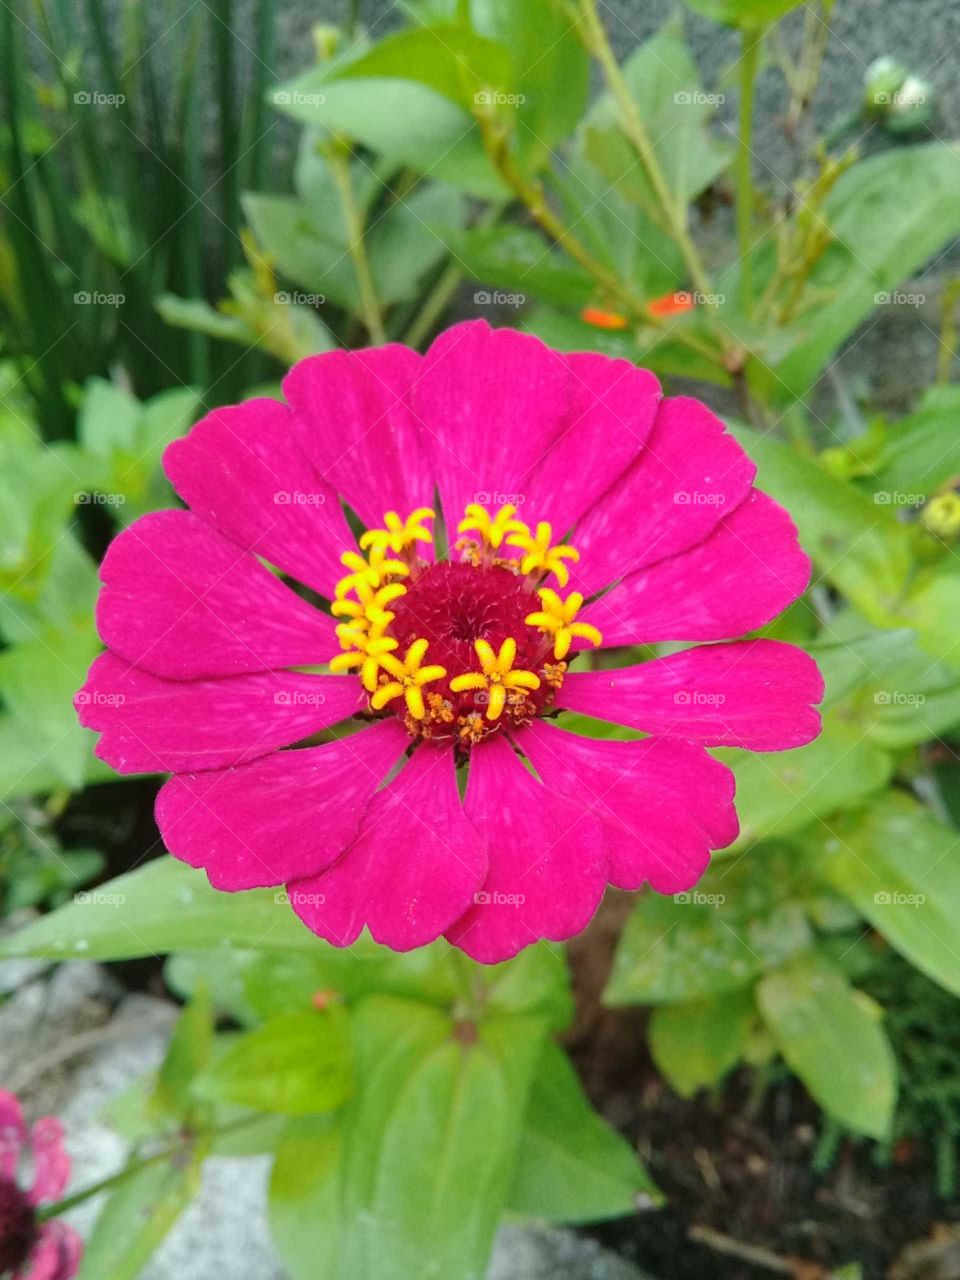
[
  {"x": 465, "y": 804},
  {"x": 31, "y": 1250}
]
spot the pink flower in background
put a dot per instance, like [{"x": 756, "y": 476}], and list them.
[
  {"x": 29, "y": 1249},
  {"x": 431, "y": 789}
]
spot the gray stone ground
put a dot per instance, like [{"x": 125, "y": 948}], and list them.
[{"x": 70, "y": 1041}]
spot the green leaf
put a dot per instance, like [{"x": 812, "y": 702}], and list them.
[
  {"x": 921, "y": 451},
  {"x": 137, "y": 1217},
  {"x": 697, "y": 1043},
  {"x": 716, "y": 938},
  {"x": 518, "y": 259},
  {"x": 783, "y": 792},
  {"x": 188, "y": 1053},
  {"x": 304, "y": 1198},
  {"x": 295, "y": 1064},
  {"x": 899, "y": 865},
  {"x": 109, "y": 418},
  {"x": 163, "y": 906},
  {"x": 833, "y": 1038},
  {"x": 858, "y": 546},
  {"x": 744, "y": 13},
  {"x": 572, "y": 1166}
]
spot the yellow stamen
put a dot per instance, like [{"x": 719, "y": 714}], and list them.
[
  {"x": 370, "y": 573},
  {"x": 399, "y": 534},
  {"x": 556, "y": 618},
  {"x": 540, "y": 556},
  {"x": 367, "y": 650},
  {"x": 491, "y": 530},
  {"x": 370, "y": 607},
  {"x": 496, "y": 676},
  {"x": 409, "y": 677}
]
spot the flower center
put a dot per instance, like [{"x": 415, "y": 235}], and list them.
[
  {"x": 458, "y": 647},
  {"x": 17, "y": 1226}
]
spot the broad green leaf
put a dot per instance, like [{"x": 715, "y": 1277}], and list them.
[
  {"x": 784, "y": 791},
  {"x": 744, "y": 13},
  {"x": 665, "y": 84},
  {"x": 850, "y": 658},
  {"x": 304, "y": 1200},
  {"x": 901, "y": 868},
  {"x": 109, "y": 418},
  {"x": 518, "y": 260},
  {"x": 833, "y": 1038},
  {"x": 572, "y": 1167},
  {"x": 697, "y": 1043},
  {"x": 137, "y": 1217},
  {"x": 856, "y": 545},
  {"x": 295, "y": 1064},
  {"x": 739, "y": 921},
  {"x": 188, "y": 1053},
  {"x": 410, "y": 240},
  {"x": 200, "y": 317},
  {"x": 921, "y": 451},
  {"x": 163, "y": 906}
]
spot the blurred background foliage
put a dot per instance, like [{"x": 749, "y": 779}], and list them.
[{"x": 161, "y": 254}]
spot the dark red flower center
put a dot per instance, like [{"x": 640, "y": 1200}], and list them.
[
  {"x": 452, "y": 605},
  {"x": 18, "y": 1227}
]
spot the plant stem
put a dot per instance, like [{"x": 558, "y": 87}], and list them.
[
  {"x": 632, "y": 124},
  {"x": 369, "y": 306},
  {"x": 749, "y": 61},
  {"x": 46, "y": 1212}
]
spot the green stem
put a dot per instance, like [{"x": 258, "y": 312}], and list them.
[
  {"x": 632, "y": 124},
  {"x": 369, "y": 305},
  {"x": 170, "y": 1152},
  {"x": 749, "y": 62}
]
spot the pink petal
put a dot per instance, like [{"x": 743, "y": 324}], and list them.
[
  {"x": 414, "y": 868},
  {"x": 688, "y": 477},
  {"x": 13, "y": 1134},
  {"x": 354, "y": 420},
  {"x": 287, "y": 816},
  {"x": 611, "y": 407},
  {"x": 547, "y": 869},
  {"x": 755, "y": 694},
  {"x": 241, "y": 470},
  {"x": 748, "y": 570},
  {"x": 183, "y": 601},
  {"x": 174, "y": 726},
  {"x": 491, "y": 402},
  {"x": 55, "y": 1256},
  {"x": 51, "y": 1164},
  {"x": 662, "y": 804}
]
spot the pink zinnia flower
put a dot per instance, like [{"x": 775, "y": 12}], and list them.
[
  {"x": 30, "y": 1250},
  {"x": 579, "y": 509}
]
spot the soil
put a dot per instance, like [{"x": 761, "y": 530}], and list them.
[{"x": 744, "y": 1201}]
